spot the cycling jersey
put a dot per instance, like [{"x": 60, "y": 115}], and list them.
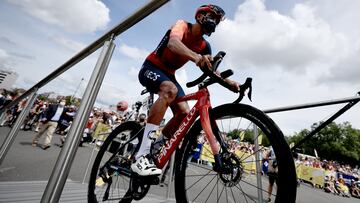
[{"x": 165, "y": 59}]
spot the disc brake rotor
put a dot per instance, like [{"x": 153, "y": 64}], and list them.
[{"x": 232, "y": 170}]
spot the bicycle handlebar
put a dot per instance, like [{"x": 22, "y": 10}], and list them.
[{"x": 207, "y": 72}]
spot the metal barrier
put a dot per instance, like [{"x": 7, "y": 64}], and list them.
[
  {"x": 258, "y": 167},
  {"x": 350, "y": 100},
  {"x": 62, "y": 167},
  {"x": 15, "y": 129}
]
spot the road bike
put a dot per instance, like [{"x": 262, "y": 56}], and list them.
[{"x": 228, "y": 176}]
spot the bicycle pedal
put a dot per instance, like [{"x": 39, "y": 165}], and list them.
[
  {"x": 152, "y": 180},
  {"x": 146, "y": 180}
]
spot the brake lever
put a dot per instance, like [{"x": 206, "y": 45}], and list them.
[
  {"x": 247, "y": 85},
  {"x": 217, "y": 60}
]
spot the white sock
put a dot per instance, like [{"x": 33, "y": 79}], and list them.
[{"x": 146, "y": 141}]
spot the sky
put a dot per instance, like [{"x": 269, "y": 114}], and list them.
[{"x": 296, "y": 51}]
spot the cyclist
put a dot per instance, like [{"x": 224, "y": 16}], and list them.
[{"x": 183, "y": 42}]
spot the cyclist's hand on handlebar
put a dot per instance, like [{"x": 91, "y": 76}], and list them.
[
  {"x": 235, "y": 86},
  {"x": 204, "y": 60}
]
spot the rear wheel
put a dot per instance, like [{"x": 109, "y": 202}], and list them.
[
  {"x": 110, "y": 174},
  {"x": 236, "y": 181}
]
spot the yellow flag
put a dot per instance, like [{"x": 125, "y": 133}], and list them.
[
  {"x": 260, "y": 138},
  {"x": 242, "y": 135}
]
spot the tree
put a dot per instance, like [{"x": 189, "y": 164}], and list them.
[{"x": 340, "y": 142}]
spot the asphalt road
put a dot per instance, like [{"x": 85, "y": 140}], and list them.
[{"x": 26, "y": 163}]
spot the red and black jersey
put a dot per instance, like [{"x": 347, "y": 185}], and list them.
[{"x": 168, "y": 61}]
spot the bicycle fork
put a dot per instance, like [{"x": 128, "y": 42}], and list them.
[{"x": 207, "y": 127}]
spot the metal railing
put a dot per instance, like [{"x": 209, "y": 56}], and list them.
[
  {"x": 351, "y": 101},
  {"x": 63, "y": 164}
]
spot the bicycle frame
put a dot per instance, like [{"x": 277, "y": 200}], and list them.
[{"x": 201, "y": 108}]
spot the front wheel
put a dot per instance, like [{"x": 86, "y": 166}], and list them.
[{"x": 236, "y": 181}]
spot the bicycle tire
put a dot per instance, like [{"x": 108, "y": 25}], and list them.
[
  {"x": 106, "y": 162},
  {"x": 186, "y": 180}
]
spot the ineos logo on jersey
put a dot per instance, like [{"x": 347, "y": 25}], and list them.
[{"x": 151, "y": 75}]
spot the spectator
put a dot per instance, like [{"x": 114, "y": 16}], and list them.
[
  {"x": 329, "y": 185},
  {"x": 122, "y": 109},
  {"x": 9, "y": 112},
  {"x": 2, "y": 98},
  {"x": 33, "y": 116},
  {"x": 50, "y": 122},
  {"x": 65, "y": 121},
  {"x": 342, "y": 188},
  {"x": 272, "y": 172},
  {"x": 355, "y": 189},
  {"x": 89, "y": 129},
  {"x": 41, "y": 115}
]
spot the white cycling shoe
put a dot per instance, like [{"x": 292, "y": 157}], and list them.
[{"x": 145, "y": 167}]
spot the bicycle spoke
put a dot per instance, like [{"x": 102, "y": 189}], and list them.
[
  {"x": 232, "y": 193},
  {"x": 112, "y": 191},
  {"x": 217, "y": 180},
  {"x": 204, "y": 188},
  {"x": 222, "y": 126},
  {"x": 118, "y": 191},
  {"x": 201, "y": 175},
  {"x": 253, "y": 153},
  {"x": 251, "y": 171},
  {"x": 244, "y": 132},
  {"x": 221, "y": 193},
  {"x": 245, "y": 194},
  {"x": 198, "y": 180},
  {"x": 256, "y": 187},
  {"x": 226, "y": 194},
  {"x": 252, "y": 161},
  {"x": 239, "y": 123},
  {"x": 200, "y": 166},
  {"x": 230, "y": 123}
]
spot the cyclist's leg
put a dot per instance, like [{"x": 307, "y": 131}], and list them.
[
  {"x": 179, "y": 110},
  {"x": 155, "y": 81},
  {"x": 167, "y": 92}
]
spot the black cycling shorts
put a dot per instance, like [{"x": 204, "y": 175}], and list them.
[{"x": 151, "y": 77}]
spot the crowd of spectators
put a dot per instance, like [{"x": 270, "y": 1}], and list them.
[
  {"x": 101, "y": 121},
  {"x": 339, "y": 179}
]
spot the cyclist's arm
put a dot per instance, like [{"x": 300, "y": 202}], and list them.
[
  {"x": 176, "y": 46},
  {"x": 235, "y": 85}
]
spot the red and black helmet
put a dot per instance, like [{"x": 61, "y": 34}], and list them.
[
  {"x": 209, "y": 16},
  {"x": 213, "y": 9}
]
